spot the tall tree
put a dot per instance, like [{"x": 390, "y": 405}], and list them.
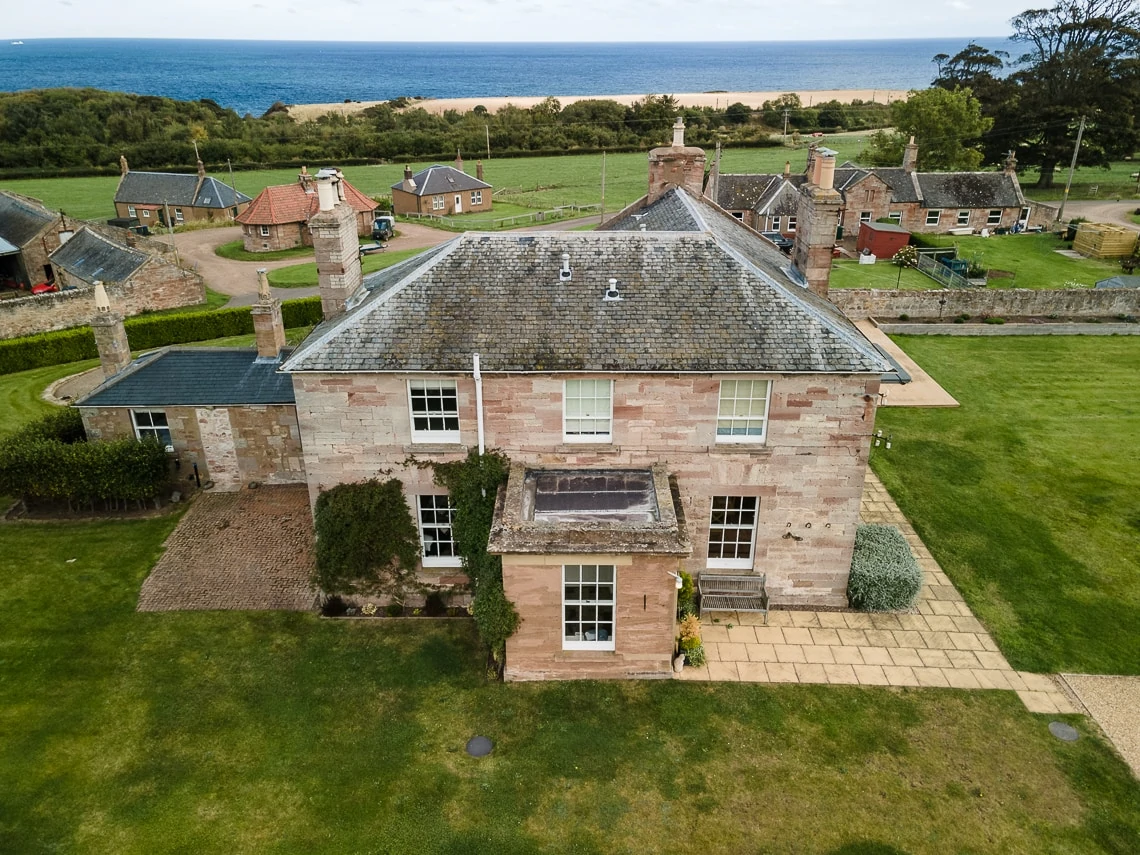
[{"x": 947, "y": 125}]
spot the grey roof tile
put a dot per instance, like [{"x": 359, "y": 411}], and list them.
[
  {"x": 91, "y": 257},
  {"x": 194, "y": 376},
  {"x": 158, "y": 188},
  {"x": 968, "y": 190},
  {"x": 21, "y": 220},
  {"x": 709, "y": 300},
  {"x": 443, "y": 179}
]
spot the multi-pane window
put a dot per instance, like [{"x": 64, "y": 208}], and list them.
[
  {"x": 587, "y": 410},
  {"x": 151, "y": 424},
  {"x": 742, "y": 415},
  {"x": 1023, "y": 217},
  {"x": 476, "y": 197},
  {"x": 438, "y": 543},
  {"x": 776, "y": 223},
  {"x": 145, "y": 214},
  {"x": 130, "y": 210},
  {"x": 994, "y": 218},
  {"x": 732, "y": 532},
  {"x": 438, "y": 203},
  {"x": 864, "y": 216},
  {"x": 932, "y": 217},
  {"x": 791, "y": 224},
  {"x": 588, "y": 606},
  {"x": 895, "y": 217},
  {"x": 963, "y": 218},
  {"x": 178, "y": 215},
  {"x": 435, "y": 410},
  {"x": 265, "y": 231}
]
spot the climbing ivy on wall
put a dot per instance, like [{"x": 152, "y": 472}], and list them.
[{"x": 473, "y": 484}]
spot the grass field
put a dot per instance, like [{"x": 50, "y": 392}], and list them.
[
  {"x": 305, "y": 275},
  {"x": 275, "y": 732},
  {"x": 1027, "y": 494},
  {"x": 20, "y": 393},
  {"x": 1031, "y": 259},
  {"x": 235, "y": 251}
]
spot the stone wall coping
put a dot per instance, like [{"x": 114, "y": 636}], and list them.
[{"x": 1009, "y": 329}]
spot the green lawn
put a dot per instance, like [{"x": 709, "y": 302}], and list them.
[
  {"x": 235, "y": 251},
  {"x": 277, "y": 732},
  {"x": 1027, "y": 494},
  {"x": 1089, "y": 182},
  {"x": 305, "y": 275},
  {"x": 20, "y": 393},
  {"x": 882, "y": 274}
]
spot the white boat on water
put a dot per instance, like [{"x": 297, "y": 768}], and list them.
[{"x": 17, "y": 43}]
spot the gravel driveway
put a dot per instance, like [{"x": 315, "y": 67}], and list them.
[{"x": 1114, "y": 703}]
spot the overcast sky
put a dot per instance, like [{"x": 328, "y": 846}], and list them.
[{"x": 510, "y": 20}]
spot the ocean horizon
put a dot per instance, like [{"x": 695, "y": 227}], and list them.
[{"x": 249, "y": 76}]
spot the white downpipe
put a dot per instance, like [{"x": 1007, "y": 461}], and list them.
[{"x": 478, "y": 400}]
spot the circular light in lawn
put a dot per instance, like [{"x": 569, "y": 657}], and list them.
[
  {"x": 1064, "y": 732},
  {"x": 479, "y": 746}
]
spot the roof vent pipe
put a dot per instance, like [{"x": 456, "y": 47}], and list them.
[
  {"x": 612, "y": 294},
  {"x": 641, "y": 226},
  {"x": 565, "y": 272}
]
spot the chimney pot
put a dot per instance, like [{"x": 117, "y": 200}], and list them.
[
  {"x": 679, "y": 133},
  {"x": 479, "y": 170},
  {"x": 102, "y": 302}
]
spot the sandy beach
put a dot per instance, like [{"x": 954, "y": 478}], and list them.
[{"x": 308, "y": 112}]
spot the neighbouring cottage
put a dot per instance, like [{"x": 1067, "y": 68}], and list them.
[
  {"x": 442, "y": 190},
  {"x": 167, "y": 198},
  {"x": 278, "y": 217},
  {"x": 932, "y": 202},
  {"x": 29, "y": 234},
  {"x": 670, "y": 390}
]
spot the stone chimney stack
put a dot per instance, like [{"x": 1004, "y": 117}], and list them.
[
  {"x": 1010, "y": 164},
  {"x": 817, "y": 220},
  {"x": 409, "y": 185},
  {"x": 110, "y": 335},
  {"x": 676, "y": 166},
  {"x": 787, "y": 169},
  {"x": 305, "y": 180},
  {"x": 335, "y": 244},
  {"x": 268, "y": 327},
  {"x": 459, "y": 160},
  {"x": 910, "y": 156},
  {"x": 479, "y": 170},
  {"x": 123, "y": 167}
]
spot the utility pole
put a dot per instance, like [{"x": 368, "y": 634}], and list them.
[
  {"x": 1072, "y": 167},
  {"x": 170, "y": 231},
  {"x": 233, "y": 186},
  {"x": 602, "y": 218},
  {"x": 487, "y": 130},
  {"x": 786, "y": 111}
]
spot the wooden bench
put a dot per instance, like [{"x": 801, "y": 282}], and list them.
[{"x": 724, "y": 593}]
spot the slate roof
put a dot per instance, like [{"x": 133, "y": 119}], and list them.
[
  {"x": 156, "y": 188},
  {"x": 714, "y": 298},
  {"x": 443, "y": 179},
  {"x": 7, "y": 248},
  {"x": 969, "y": 190},
  {"x": 21, "y": 220},
  {"x": 740, "y": 192},
  {"x": 194, "y": 377},
  {"x": 293, "y": 203},
  {"x": 90, "y": 257}
]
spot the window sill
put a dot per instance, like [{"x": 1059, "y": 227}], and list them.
[
  {"x": 440, "y": 563},
  {"x": 436, "y": 448},
  {"x": 587, "y": 448},
  {"x": 757, "y": 449}
]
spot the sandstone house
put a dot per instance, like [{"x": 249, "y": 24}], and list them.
[
  {"x": 442, "y": 191},
  {"x": 167, "y": 198}
]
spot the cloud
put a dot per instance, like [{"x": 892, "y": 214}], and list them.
[{"x": 960, "y": 5}]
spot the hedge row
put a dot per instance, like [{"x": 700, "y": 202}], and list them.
[
  {"x": 50, "y": 460},
  {"x": 147, "y": 332}
]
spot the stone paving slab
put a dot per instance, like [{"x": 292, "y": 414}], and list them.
[
  {"x": 941, "y": 645},
  {"x": 252, "y": 549}
]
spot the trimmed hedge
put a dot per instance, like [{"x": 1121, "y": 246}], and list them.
[
  {"x": 146, "y": 332},
  {"x": 50, "y": 460},
  {"x": 884, "y": 574}
]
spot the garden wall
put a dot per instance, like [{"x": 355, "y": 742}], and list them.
[
  {"x": 1006, "y": 303},
  {"x": 156, "y": 285},
  {"x": 1010, "y": 329}
]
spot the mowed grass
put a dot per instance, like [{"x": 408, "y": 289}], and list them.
[
  {"x": 882, "y": 274},
  {"x": 305, "y": 275},
  {"x": 20, "y": 399},
  {"x": 235, "y": 251},
  {"x": 526, "y": 182},
  {"x": 1027, "y": 494},
  {"x": 255, "y": 732}
]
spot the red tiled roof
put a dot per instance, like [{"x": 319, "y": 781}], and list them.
[{"x": 289, "y": 203}]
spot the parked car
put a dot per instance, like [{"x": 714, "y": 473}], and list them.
[{"x": 782, "y": 242}]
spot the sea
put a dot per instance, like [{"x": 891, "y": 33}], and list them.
[{"x": 249, "y": 76}]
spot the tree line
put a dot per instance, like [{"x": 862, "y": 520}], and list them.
[
  {"x": 59, "y": 130},
  {"x": 1081, "y": 60}
]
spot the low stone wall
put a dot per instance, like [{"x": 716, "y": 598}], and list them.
[
  {"x": 156, "y": 285},
  {"x": 1010, "y": 329},
  {"x": 1007, "y": 303}
]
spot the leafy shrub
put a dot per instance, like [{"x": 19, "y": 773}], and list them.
[
  {"x": 905, "y": 257},
  {"x": 994, "y": 320},
  {"x": 884, "y": 574},
  {"x": 366, "y": 540},
  {"x": 53, "y": 348},
  {"x": 689, "y": 640},
  {"x": 904, "y": 317},
  {"x": 394, "y": 610},
  {"x": 301, "y": 313},
  {"x": 334, "y": 606},
  {"x": 686, "y": 596}
]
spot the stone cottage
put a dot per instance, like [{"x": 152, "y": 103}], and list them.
[
  {"x": 29, "y": 234},
  {"x": 278, "y": 217},
  {"x": 159, "y": 199},
  {"x": 442, "y": 190},
  {"x": 930, "y": 202},
  {"x": 671, "y": 393}
]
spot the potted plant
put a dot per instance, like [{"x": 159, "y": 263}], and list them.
[{"x": 689, "y": 642}]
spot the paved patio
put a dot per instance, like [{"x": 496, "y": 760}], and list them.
[
  {"x": 252, "y": 549},
  {"x": 941, "y": 644}
]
